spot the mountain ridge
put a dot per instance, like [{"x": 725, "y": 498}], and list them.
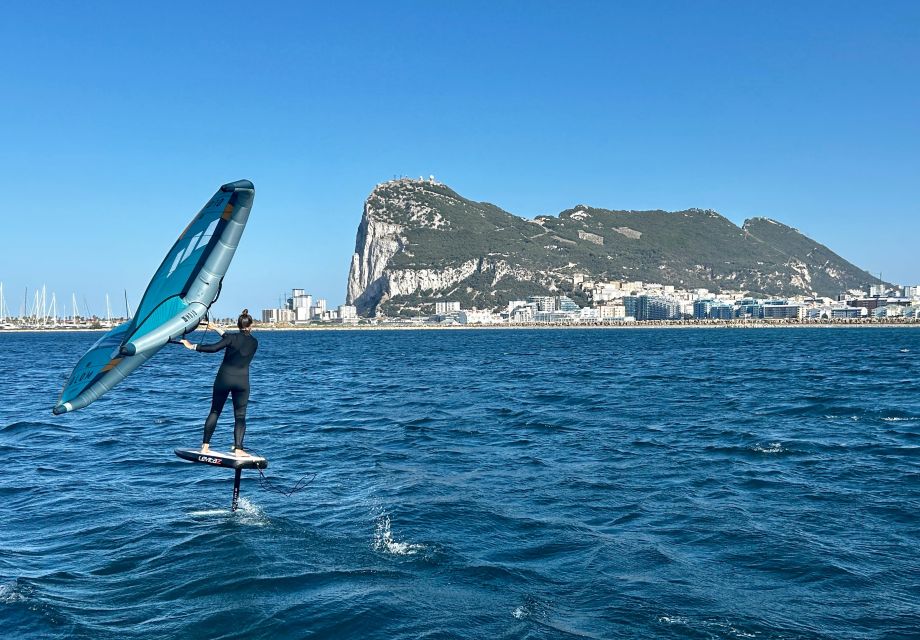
[{"x": 420, "y": 241}]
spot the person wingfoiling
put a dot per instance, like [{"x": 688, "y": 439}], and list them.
[{"x": 232, "y": 378}]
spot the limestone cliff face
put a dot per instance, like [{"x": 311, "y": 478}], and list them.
[
  {"x": 390, "y": 209},
  {"x": 377, "y": 242},
  {"x": 420, "y": 242}
]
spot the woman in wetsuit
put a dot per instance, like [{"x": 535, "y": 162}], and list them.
[{"x": 232, "y": 378}]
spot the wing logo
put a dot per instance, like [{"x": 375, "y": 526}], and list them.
[{"x": 198, "y": 241}]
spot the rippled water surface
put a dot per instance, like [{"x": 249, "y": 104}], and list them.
[{"x": 475, "y": 484}]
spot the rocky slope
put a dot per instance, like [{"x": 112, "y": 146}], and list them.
[{"x": 420, "y": 242}]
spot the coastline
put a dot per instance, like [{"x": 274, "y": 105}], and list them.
[{"x": 653, "y": 324}]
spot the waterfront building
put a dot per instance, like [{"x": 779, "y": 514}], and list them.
[
  {"x": 522, "y": 314},
  {"x": 475, "y": 316},
  {"x": 277, "y": 315},
  {"x": 347, "y": 314},
  {"x": 750, "y": 308},
  {"x": 875, "y": 303},
  {"x": 702, "y": 309},
  {"x": 722, "y": 311},
  {"x": 888, "y": 311},
  {"x": 611, "y": 312},
  {"x": 631, "y": 304},
  {"x": 445, "y": 308},
  {"x": 774, "y": 311},
  {"x": 544, "y": 303},
  {"x": 565, "y": 303},
  {"x": 846, "y": 312},
  {"x": 555, "y": 317},
  {"x": 657, "y": 308}
]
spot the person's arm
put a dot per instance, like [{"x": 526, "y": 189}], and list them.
[
  {"x": 217, "y": 329},
  {"x": 208, "y": 348}
]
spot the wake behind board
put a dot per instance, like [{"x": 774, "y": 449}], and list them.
[{"x": 218, "y": 459}]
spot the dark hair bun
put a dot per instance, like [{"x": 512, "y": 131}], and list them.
[{"x": 244, "y": 321}]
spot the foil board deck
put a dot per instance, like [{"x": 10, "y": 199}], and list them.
[{"x": 219, "y": 459}]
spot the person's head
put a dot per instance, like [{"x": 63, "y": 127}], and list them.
[{"x": 244, "y": 322}]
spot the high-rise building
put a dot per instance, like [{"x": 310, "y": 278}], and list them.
[
  {"x": 702, "y": 309},
  {"x": 657, "y": 308},
  {"x": 750, "y": 308},
  {"x": 631, "y": 304},
  {"x": 544, "y": 303},
  {"x": 347, "y": 314},
  {"x": 722, "y": 311},
  {"x": 277, "y": 315}
]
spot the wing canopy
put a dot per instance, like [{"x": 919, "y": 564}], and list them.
[{"x": 177, "y": 298}]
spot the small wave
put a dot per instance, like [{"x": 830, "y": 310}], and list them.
[
  {"x": 720, "y": 628},
  {"x": 209, "y": 512},
  {"x": 527, "y": 609},
  {"x": 384, "y": 542},
  {"x": 898, "y": 419},
  {"x": 772, "y": 447},
  {"x": 11, "y": 592},
  {"x": 247, "y": 513},
  {"x": 35, "y": 427}
]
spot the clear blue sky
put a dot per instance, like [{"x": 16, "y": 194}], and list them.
[{"x": 119, "y": 120}]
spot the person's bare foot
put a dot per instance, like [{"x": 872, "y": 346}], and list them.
[
  {"x": 205, "y": 448},
  {"x": 239, "y": 453}
]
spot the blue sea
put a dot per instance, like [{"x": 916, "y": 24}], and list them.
[{"x": 660, "y": 483}]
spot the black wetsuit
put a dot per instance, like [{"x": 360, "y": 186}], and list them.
[{"x": 232, "y": 378}]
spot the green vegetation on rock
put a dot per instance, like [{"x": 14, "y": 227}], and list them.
[{"x": 440, "y": 236}]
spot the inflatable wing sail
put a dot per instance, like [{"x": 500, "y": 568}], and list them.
[{"x": 176, "y": 300}]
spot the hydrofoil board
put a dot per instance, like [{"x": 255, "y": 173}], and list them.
[{"x": 220, "y": 459}]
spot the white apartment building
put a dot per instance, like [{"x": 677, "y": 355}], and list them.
[
  {"x": 320, "y": 308},
  {"x": 348, "y": 314},
  {"x": 475, "y": 316},
  {"x": 612, "y": 312},
  {"x": 277, "y": 315},
  {"x": 444, "y": 308}
]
